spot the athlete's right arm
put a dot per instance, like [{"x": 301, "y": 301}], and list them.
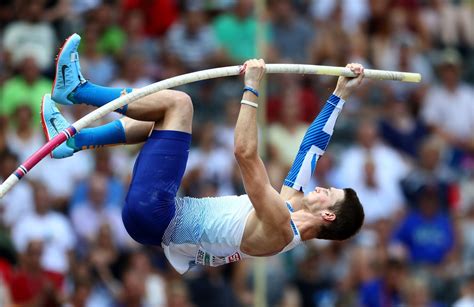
[
  {"x": 317, "y": 137},
  {"x": 269, "y": 205}
]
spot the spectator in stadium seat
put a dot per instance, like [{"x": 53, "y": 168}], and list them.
[
  {"x": 416, "y": 292},
  {"x": 375, "y": 171},
  {"x": 236, "y": 31},
  {"x": 353, "y": 12},
  {"x": 58, "y": 13},
  {"x": 285, "y": 134},
  {"x": 19, "y": 201},
  {"x": 133, "y": 290},
  {"x": 467, "y": 292},
  {"x": 211, "y": 280},
  {"x": 426, "y": 232},
  {"x": 30, "y": 284},
  {"x": 115, "y": 188},
  {"x": 400, "y": 129},
  {"x": 30, "y": 36},
  {"x": 88, "y": 217},
  {"x": 96, "y": 66},
  {"x": 87, "y": 285},
  {"x": 292, "y": 34},
  {"x": 192, "y": 40},
  {"x": 292, "y": 91},
  {"x": 155, "y": 283},
  {"x": 451, "y": 99},
  {"x": 133, "y": 73},
  {"x": 112, "y": 38},
  {"x": 24, "y": 137},
  {"x": 28, "y": 86},
  {"x": 372, "y": 190},
  {"x": 138, "y": 42},
  {"x": 209, "y": 163},
  {"x": 385, "y": 289},
  {"x": 430, "y": 171},
  {"x": 166, "y": 9},
  {"x": 52, "y": 228}
]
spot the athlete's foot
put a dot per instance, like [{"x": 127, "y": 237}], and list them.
[
  {"x": 68, "y": 71},
  {"x": 53, "y": 123}
]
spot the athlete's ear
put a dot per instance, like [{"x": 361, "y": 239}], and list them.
[{"x": 328, "y": 215}]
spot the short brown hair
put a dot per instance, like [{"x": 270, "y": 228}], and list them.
[{"x": 349, "y": 218}]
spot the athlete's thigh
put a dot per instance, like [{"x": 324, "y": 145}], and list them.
[
  {"x": 172, "y": 109},
  {"x": 156, "y": 177}
]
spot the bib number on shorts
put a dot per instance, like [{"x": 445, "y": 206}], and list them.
[{"x": 207, "y": 259}]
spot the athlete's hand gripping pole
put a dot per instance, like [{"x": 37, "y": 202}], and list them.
[{"x": 319, "y": 133}]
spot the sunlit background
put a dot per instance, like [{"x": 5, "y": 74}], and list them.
[{"x": 407, "y": 149}]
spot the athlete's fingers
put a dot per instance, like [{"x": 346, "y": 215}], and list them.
[
  {"x": 352, "y": 67},
  {"x": 356, "y": 68},
  {"x": 361, "y": 75},
  {"x": 243, "y": 68},
  {"x": 256, "y": 63}
]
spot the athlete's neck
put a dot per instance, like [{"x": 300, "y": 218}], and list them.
[
  {"x": 306, "y": 223},
  {"x": 296, "y": 203}
]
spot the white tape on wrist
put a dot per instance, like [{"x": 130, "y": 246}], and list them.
[{"x": 249, "y": 103}]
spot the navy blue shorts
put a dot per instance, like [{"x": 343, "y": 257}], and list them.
[{"x": 157, "y": 174}]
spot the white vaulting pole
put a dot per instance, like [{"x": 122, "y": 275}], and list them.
[
  {"x": 23, "y": 169},
  {"x": 234, "y": 71}
]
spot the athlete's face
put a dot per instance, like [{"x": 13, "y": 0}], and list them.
[{"x": 322, "y": 198}]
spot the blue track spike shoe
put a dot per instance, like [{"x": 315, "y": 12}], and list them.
[
  {"x": 68, "y": 71},
  {"x": 53, "y": 123}
]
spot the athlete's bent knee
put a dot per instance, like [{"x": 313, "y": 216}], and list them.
[
  {"x": 180, "y": 116},
  {"x": 184, "y": 103}
]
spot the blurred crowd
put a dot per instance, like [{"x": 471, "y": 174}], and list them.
[{"x": 407, "y": 149}]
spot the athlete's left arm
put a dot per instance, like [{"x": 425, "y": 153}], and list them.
[
  {"x": 317, "y": 137},
  {"x": 254, "y": 175}
]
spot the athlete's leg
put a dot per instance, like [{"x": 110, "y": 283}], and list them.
[
  {"x": 170, "y": 110},
  {"x": 164, "y": 110},
  {"x": 314, "y": 144},
  {"x": 122, "y": 131},
  {"x": 158, "y": 170},
  {"x": 136, "y": 131},
  {"x": 160, "y": 166},
  {"x": 70, "y": 87}
]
